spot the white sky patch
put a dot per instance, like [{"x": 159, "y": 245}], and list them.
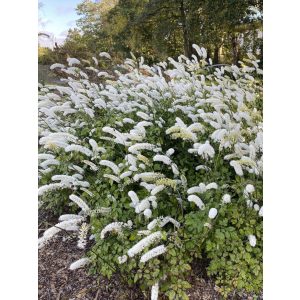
[{"x": 55, "y": 19}]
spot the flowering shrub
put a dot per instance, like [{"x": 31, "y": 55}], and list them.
[{"x": 158, "y": 165}]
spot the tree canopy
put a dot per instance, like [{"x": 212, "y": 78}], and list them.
[{"x": 157, "y": 29}]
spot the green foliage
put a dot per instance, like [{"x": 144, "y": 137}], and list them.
[
  {"x": 46, "y": 56},
  {"x": 236, "y": 265},
  {"x": 223, "y": 239},
  {"x": 158, "y": 29}
]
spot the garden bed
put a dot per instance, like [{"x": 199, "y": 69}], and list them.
[
  {"x": 57, "y": 282},
  {"x": 153, "y": 174}
]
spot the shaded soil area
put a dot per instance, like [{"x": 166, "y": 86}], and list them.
[{"x": 57, "y": 282}]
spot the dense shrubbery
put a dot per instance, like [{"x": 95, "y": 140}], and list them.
[{"x": 158, "y": 166}]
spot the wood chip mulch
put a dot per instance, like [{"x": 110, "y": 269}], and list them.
[{"x": 57, "y": 282}]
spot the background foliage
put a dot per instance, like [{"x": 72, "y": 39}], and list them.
[{"x": 156, "y": 29}]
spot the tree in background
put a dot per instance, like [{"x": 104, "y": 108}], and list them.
[
  {"x": 75, "y": 45},
  {"x": 157, "y": 29},
  {"x": 227, "y": 24}
]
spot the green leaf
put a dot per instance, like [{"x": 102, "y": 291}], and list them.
[{"x": 171, "y": 295}]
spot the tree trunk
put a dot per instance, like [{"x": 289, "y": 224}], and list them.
[
  {"x": 186, "y": 40},
  {"x": 208, "y": 52},
  {"x": 216, "y": 55},
  {"x": 235, "y": 50}
]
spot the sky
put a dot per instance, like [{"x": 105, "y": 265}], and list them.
[{"x": 55, "y": 18}]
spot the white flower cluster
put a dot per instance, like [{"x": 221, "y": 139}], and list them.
[
  {"x": 57, "y": 139},
  {"x": 112, "y": 177},
  {"x": 141, "y": 206},
  {"x": 79, "y": 263},
  {"x": 100, "y": 210},
  {"x": 148, "y": 213},
  {"x": 163, "y": 158},
  {"x": 148, "y": 176},
  {"x": 48, "y": 162},
  {"x": 249, "y": 189},
  {"x": 134, "y": 198},
  {"x": 115, "y": 227},
  {"x": 205, "y": 150},
  {"x": 95, "y": 147},
  {"x": 157, "y": 189},
  {"x": 80, "y": 203},
  {"x": 202, "y": 188},
  {"x": 154, "y": 291},
  {"x": 153, "y": 253},
  {"x": 73, "y": 61},
  {"x": 237, "y": 167},
  {"x": 91, "y": 165},
  {"x": 125, "y": 174},
  {"x": 68, "y": 217},
  {"x": 68, "y": 225},
  {"x": 51, "y": 187},
  {"x": 75, "y": 180},
  {"x": 45, "y": 156},
  {"x": 82, "y": 235},
  {"x": 136, "y": 148},
  {"x": 212, "y": 213},
  {"x": 162, "y": 221},
  {"x": 145, "y": 242},
  {"x": 110, "y": 165},
  {"x": 181, "y": 130},
  {"x": 252, "y": 240},
  {"x": 105, "y": 54},
  {"x": 226, "y": 199},
  {"x": 122, "y": 259},
  {"x": 79, "y": 148},
  {"x": 197, "y": 201}
]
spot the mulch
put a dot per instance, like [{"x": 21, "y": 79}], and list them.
[{"x": 57, "y": 282}]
